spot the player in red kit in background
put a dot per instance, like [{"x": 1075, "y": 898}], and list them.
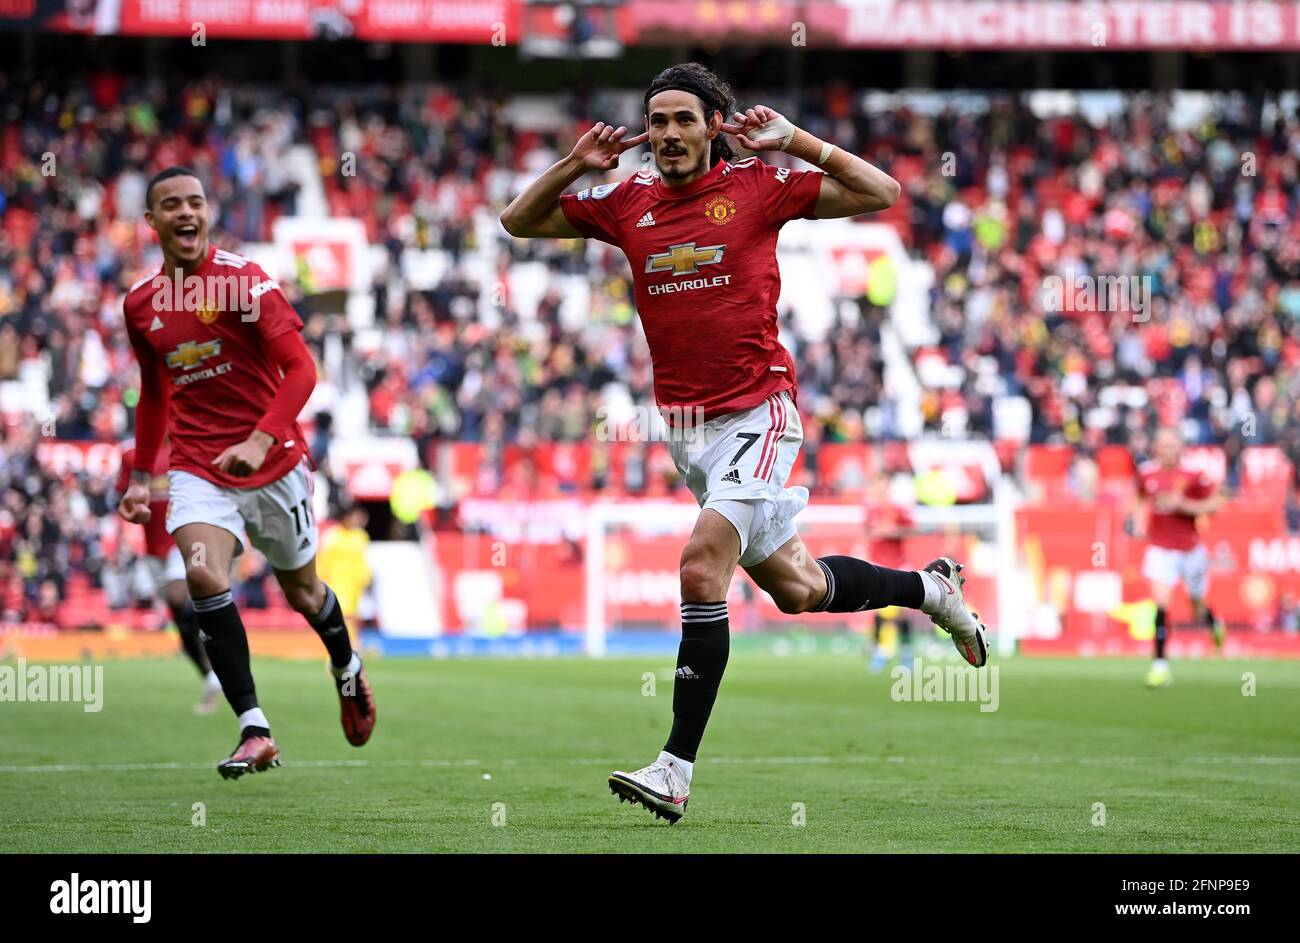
[
  {"x": 700, "y": 235},
  {"x": 1170, "y": 500},
  {"x": 888, "y": 525},
  {"x": 167, "y": 572},
  {"x": 224, "y": 370}
]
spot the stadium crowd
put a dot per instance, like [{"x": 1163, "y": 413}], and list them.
[{"x": 996, "y": 200}]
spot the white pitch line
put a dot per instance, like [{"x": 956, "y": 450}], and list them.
[{"x": 720, "y": 760}]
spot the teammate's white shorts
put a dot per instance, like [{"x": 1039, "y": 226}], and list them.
[
  {"x": 150, "y": 574},
  {"x": 1168, "y": 567},
  {"x": 277, "y": 517},
  {"x": 746, "y": 457},
  {"x": 168, "y": 570}
]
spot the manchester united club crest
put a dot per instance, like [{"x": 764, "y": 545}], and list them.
[
  {"x": 720, "y": 210},
  {"x": 207, "y": 313}
]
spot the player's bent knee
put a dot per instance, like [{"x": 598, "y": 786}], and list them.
[
  {"x": 699, "y": 581},
  {"x": 204, "y": 581},
  {"x": 702, "y": 575}
]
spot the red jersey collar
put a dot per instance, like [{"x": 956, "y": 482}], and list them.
[{"x": 695, "y": 186}]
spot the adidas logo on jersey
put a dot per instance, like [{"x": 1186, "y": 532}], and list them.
[
  {"x": 646, "y": 220},
  {"x": 157, "y": 324},
  {"x": 732, "y": 477},
  {"x": 306, "y": 542},
  {"x": 686, "y": 674}
]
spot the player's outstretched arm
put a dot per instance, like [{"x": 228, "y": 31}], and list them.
[
  {"x": 536, "y": 212},
  {"x": 851, "y": 185}
]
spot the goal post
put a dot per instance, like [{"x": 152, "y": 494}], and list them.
[{"x": 630, "y": 567}]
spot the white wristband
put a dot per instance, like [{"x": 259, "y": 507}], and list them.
[{"x": 827, "y": 147}]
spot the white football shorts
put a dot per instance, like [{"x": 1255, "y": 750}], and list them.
[
  {"x": 277, "y": 517},
  {"x": 747, "y": 457},
  {"x": 1168, "y": 567}
]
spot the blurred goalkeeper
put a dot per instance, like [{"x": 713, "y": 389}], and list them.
[{"x": 700, "y": 234}]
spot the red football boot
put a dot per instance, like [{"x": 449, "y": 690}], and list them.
[
  {"x": 356, "y": 707},
  {"x": 255, "y": 754}
]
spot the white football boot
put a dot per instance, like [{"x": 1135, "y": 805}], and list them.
[
  {"x": 659, "y": 787},
  {"x": 951, "y": 614}
]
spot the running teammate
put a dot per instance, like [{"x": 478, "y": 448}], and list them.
[
  {"x": 224, "y": 370},
  {"x": 1171, "y": 500}
]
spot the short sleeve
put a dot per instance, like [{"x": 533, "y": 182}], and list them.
[
  {"x": 595, "y": 212},
  {"x": 787, "y": 194}
]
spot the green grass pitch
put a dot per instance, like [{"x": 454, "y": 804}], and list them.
[{"x": 512, "y": 755}]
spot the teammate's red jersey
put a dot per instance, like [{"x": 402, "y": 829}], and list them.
[
  {"x": 1173, "y": 531},
  {"x": 215, "y": 362},
  {"x": 703, "y": 259},
  {"x": 887, "y": 516},
  {"x": 157, "y": 542}
]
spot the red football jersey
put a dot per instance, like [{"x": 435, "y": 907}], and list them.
[
  {"x": 157, "y": 542},
  {"x": 886, "y": 515},
  {"x": 703, "y": 259},
  {"x": 1173, "y": 531},
  {"x": 214, "y": 360}
]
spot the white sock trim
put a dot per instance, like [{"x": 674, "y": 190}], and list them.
[
  {"x": 352, "y": 667},
  {"x": 253, "y": 717},
  {"x": 684, "y": 768},
  {"x": 933, "y": 592}
]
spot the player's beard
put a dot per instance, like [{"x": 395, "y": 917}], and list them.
[{"x": 681, "y": 170}]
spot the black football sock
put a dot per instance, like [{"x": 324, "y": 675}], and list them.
[
  {"x": 333, "y": 631},
  {"x": 701, "y": 660},
  {"x": 1161, "y": 631},
  {"x": 853, "y": 585},
  {"x": 226, "y": 643},
  {"x": 191, "y": 644}
]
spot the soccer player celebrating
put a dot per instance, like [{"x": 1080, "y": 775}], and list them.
[
  {"x": 227, "y": 379},
  {"x": 1170, "y": 500},
  {"x": 700, "y": 235},
  {"x": 167, "y": 571}
]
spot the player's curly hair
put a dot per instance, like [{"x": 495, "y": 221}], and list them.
[{"x": 701, "y": 82}]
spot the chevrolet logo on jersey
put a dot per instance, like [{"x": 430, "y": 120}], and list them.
[
  {"x": 684, "y": 259},
  {"x": 189, "y": 354}
]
